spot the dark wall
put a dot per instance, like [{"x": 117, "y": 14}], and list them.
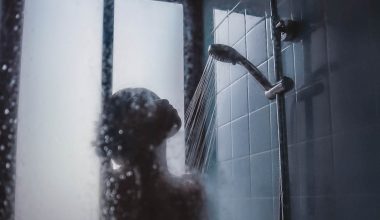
[
  {"x": 335, "y": 160},
  {"x": 333, "y": 114}
]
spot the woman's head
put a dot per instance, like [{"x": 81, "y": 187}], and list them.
[{"x": 135, "y": 121}]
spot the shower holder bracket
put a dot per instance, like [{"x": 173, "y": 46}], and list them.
[
  {"x": 288, "y": 29},
  {"x": 284, "y": 85}
]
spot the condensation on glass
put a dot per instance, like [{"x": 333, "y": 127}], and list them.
[
  {"x": 57, "y": 169},
  {"x": 58, "y": 166}
]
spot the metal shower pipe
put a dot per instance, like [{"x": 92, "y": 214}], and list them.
[{"x": 281, "y": 31}]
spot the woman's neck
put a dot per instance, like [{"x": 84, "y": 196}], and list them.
[{"x": 153, "y": 162}]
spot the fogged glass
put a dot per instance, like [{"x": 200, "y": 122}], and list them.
[
  {"x": 148, "y": 52},
  {"x": 58, "y": 166},
  {"x": 57, "y": 170}
]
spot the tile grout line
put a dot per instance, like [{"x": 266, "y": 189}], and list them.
[{"x": 226, "y": 17}]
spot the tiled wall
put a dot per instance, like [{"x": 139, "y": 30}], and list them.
[
  {"x": 333, "y": 114},
  {"x": 245, "y": 149}
]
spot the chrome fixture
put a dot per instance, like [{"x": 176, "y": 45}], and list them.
[{"x": 228, "y": 54}]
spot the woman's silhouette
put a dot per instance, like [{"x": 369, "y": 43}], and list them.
[{"x": 136, "y": 125}]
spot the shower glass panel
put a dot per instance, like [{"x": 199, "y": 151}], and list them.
[
  {"x": 57, "y": 169},
  {"x": 148, "y": 52},
  {"x": 58, "y": 173}
]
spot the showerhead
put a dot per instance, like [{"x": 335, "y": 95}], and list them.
[
  {"x": 228, "y": 54},
  {"x": 224, "y": 53}
]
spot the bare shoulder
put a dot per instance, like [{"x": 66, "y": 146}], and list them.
[
  {"x": 189, "y": 188},
  {"x": 192, "y": 184}
]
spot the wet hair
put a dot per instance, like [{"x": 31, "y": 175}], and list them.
[{"x": 134, "y": 120}]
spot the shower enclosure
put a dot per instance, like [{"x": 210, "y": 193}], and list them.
[
  {"x": 54, "y": 172},
  {"x": 61, "y": 61}
]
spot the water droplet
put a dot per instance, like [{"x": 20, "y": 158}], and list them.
[
  {"x": 107, "y": 139},
  {"x": 15, "y": 28},
  {"x": 119, "y": 147},
  {"x": 17, "y": 16},
  {"x": 4, "y": 127},
  {"x": 4, "y": 67},
  {"x": 8, "y": 189},
  {"x": 155, "y": 166},
  {"x": 2, "y": 147},
  {"x": 6, "y": 111},
  {"x": 7, "y": 165},
  {"x": 13, "y": 81},
  {"x": 115, "y": 166},
  {"x": 105, "y": 211},
  {"x": 121, "y": 131},
  {"x": 129, "y": 173}
]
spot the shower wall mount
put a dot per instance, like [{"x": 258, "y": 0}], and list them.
[{"x": 288, "y": 29}]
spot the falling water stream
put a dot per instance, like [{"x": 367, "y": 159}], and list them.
[{"x": 200, "y": 116}]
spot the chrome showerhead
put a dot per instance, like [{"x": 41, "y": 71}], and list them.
[
  {"x": 224, "y": 53},
  {"x": 228, "y": 54}
]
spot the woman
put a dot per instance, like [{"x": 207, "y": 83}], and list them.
[{"x": 136, "y": 125}]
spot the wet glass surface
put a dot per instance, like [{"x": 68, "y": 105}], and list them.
[
  {"x": 78, "y": 140},
  {"x": 75, "y": 159}
]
